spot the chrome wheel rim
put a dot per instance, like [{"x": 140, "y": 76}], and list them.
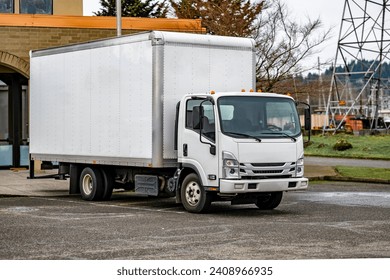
[
  {"x": 193, "y": 193},
  {"x": 87, "y": 184}
]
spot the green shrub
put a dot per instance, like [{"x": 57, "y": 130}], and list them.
[{"x": 342, "y": 145}]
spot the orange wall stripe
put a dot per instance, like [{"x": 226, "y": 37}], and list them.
[{"x": 100, "y": 22}]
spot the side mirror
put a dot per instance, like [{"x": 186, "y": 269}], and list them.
[
  {"x": 197, "y": 123},
  {"x": 307, "y": 119}
]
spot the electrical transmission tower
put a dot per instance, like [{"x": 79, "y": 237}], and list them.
[{"x": 358, "y": 89}]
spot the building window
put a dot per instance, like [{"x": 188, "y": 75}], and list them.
[
  {"x": 6, "y": 6},
  {"x": 36, "y": 7}
]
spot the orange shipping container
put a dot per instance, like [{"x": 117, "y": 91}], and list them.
[{"x": 356, "y": 125}]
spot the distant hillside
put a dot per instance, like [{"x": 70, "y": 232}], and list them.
[{"x": 355, "y": 66}]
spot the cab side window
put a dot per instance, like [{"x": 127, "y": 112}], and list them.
[{"x": 201, "y": 122}]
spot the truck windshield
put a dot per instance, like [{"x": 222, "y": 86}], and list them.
[{"x": 258, "y": 117}]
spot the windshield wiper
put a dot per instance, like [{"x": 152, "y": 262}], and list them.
[
  {"x": 280, "y": 133},
  {"x": 244, "y": 135}
]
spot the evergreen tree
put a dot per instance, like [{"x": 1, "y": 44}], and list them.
[{"x": 134, "y": 8}]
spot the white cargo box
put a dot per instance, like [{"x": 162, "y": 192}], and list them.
[{"x": 113, "y": 101}]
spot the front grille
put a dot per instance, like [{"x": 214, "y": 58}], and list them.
[
  {"x": 267, "y": 170},
  {"x": 268, "y": 164},
  {"x": 265, "y": 177}
]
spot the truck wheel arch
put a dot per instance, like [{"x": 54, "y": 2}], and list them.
[
  {"x": 192, "y": 168},
  {"x": 187, "y": 169}
]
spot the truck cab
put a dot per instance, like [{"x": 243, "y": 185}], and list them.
[{"x": 244, "y": 147}]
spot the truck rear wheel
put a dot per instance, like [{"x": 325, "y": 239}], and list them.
[
  {"x": 193, "y": 196},
  {"x": 91, "y": 184},
  {"x": 108, "y": 184},
  {"x": 269, "y": 201}
]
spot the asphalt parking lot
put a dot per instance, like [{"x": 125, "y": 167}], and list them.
[{"x": 330, "y": 220}]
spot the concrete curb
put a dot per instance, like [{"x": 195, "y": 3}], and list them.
[{"x": 349, "y": 179}]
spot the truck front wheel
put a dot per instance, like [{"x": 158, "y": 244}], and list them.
[
  {"x": 269, "y": 201},
  {"x": 91, "y": 184},
  {"x": 193, "y": 196}
]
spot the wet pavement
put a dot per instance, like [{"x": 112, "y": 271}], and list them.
[
  {"x": 40, "y": 220},
  {"x": 330, "y": 220}
]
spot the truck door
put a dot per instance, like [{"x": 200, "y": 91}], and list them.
[{"x": 198, "y": 140}]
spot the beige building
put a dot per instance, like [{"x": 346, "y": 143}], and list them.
[
  {"x": 37, "y": 24},
  {"x": 49, "y": 7}
]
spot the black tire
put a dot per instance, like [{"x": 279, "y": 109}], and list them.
[
  {"x": 269, "y": 201},
  {"x": 170, "y": 188},
  {"x": 91, "y": 184},
  {"x": 108, "y": 184},
  {"x": 193, "y": 196}
]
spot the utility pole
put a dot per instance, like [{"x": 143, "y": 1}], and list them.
[
  {"x": 363, "y": 47},
  {"x": 118, "y": 18}
]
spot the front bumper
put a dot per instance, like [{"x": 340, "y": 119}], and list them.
[{"x": 264, "y": 185}]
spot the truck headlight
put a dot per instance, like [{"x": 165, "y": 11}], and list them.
[
  {"x": 299, "y": 167},
  {"x": 231, "y": 166}
]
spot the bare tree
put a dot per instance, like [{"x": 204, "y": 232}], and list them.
[
  {"x": 282, "y": 44},
  {"x": 221, "y": 17}
]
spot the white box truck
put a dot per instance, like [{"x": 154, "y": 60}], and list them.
[{"x": 164, "y": 113}]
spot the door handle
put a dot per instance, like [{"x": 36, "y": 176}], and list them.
[{"x": 185, "y": 150}]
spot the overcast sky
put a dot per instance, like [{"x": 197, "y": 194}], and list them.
[
  {"x": 90, "y": 6},
  {"x": 330, "y": 12}
]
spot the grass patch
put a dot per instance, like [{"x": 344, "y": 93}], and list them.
[
  {"x": 364, "y": 147},
  {"x": 364, "y": 172}
]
